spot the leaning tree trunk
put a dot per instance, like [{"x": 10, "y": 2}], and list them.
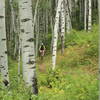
[
  {"x": 3, "y": 47},
  {"x": 62, "y": 27},
  {"x": 28, "y": 50},
  {"x": 55, "y": 36},
  {"x": 90, "y": 16}
]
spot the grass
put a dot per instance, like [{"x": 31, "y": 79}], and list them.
[{"x": 75, "y": 77}]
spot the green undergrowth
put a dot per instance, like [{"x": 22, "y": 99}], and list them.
[{"x": 75, "y": 76}]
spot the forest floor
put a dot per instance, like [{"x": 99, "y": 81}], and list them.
[
  {"x": 42, "y": 67},
  {"x": 75, "y": 76}
]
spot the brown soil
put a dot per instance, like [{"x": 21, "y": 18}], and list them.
[{"x": 42, "y": 67}]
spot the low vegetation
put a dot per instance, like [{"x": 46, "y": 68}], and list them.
[{"x": 75, "y": 77}]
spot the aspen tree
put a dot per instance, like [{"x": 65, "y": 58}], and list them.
[
  {"x": 3, "y": 46},
  {"x": 55, "y": 36},
  {"x": 62, "y": 27},
  {"x": 85, "y": 15},
  {"x": 90, "y": 15},
  {"x": 68, "y": 17},
  {"x": 28, "y": 50}
]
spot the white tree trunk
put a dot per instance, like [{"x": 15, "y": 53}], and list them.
[
  {"x": 12, "y": 28},
  {"x": 62, "y": 27},
  {"x": 90, "y": 16},
  {"x": 55, "y": 36},
  {"x": 99, "y": 12},
  {"x": 47, "y": 22},
  {"x": 35, "y": 14},
  {"x": 28, "y": 50},
  {"x": 70, "y": 5},
  {"x": 37, "y": 36},
  {"x": 68, "y": 17},
  {"x": 34, "y": 23},
  {"x": 85, "y": 15},
  {"x": 12, "y": 18},
  {"x": 19, "y": 58},
  {"x": 3, "y": 47}
]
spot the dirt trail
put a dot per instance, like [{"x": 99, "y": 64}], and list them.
[{"x": 42, "y": 67}]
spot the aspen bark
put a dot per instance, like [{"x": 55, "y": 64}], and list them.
[
  {"x": 85, "y": 15},
  {"x": 68, "y": 17},
  {"x": 35, "y": 14},
  {"x": 28, "y": 50},
  {"x": 19, "y": 58},
  {"x": 90, "y": 16},
  {"x": 3, "y": 46},
  {"x": 62, "y": 27},
  {"x": 12, "y": 18},
  {"x": 55, "y": 36},
  {"x": 37, "y": 36}
]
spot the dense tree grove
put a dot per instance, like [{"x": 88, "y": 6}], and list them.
[{"x": 25, "y": 24}]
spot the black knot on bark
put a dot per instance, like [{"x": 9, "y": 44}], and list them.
[
  {"x": 31, "y": 62},
  {"x": 5, "y": 82},
  {"x": 22, "y": 30},
  {"x": 1, "y": 16},
  {"x": 25, "y": 20},
  {"x": 26, "y": 46},
  {"x": 5, "y": 52},
  {"x": 31, "y": 55},
  {"x": 31, "y": 40},
  {"x": 3, "y": 39},
  {"x": 25, "y": 2}
]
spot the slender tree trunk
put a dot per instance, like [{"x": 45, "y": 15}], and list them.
[
  {"x": 68, "y": 17},
  {"x": 28, "y": 50},
  {"x": 35, "y": 14},
  {"x": 37, "y": 36},
  {"x": 34, "y": 23},
  {"x": 19, "y": 58},
  {"x": 85, "y": 15},
  {"x": 51, "y": 24},
  {"x": 12, "y": 18},
  {"x": 80, "y": 10},
  {"x": 3, "y": 47},
  {"x": 70, "y": 5},
  {"x": 62, "y": 27},
  {"x": 90, "y": 16},
  {"x": 47, "y": 22},
  {"x": 55, "y": 37},
  {"x": 13, "y": 30}
]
